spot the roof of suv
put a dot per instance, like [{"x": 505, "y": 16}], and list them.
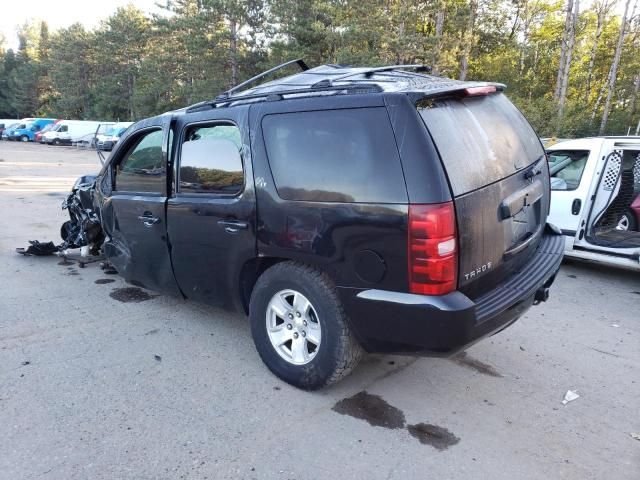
[
  {"x": 340, "y": 79},
  {"x": 387, "y": 79}
]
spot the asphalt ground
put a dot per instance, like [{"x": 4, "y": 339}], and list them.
[{"x": 97, "y": 382}]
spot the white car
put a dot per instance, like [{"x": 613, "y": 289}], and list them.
[{"x": 595, "y": 198}]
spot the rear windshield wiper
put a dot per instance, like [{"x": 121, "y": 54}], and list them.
[{"x": 535, "y": 169}]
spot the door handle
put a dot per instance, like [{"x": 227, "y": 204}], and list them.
[
  {"x": 575, "y": 206},
  {"x": 233, "y": 226},
  {"x": 148, "y": 219}
]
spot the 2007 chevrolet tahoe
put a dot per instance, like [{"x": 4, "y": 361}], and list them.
[{"x": 344, "y": 209}]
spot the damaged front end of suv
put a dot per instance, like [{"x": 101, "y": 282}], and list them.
[{"x": 83, "y": 228}]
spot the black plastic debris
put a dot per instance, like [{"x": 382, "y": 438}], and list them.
[{"x": 39, "y": 248}]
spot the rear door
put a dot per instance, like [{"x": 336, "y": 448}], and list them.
[
  {"x": 499, "y": 178},
  {"x": 133, "y": 213},
  {"x": 211, "y": 214}
]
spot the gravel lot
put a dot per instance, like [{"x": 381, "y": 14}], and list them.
[{"x": 153, "y": 387}]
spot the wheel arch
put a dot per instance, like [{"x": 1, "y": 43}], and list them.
[{"x": 249, "y": 274}]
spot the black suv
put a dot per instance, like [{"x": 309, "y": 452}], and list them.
[{"x": 344, "y": 209}]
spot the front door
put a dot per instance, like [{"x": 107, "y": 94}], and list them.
[
  {"x": 211, "y": 216},
  {"x": 569, "y": 188},
  {"x": 134, "y": 211}
]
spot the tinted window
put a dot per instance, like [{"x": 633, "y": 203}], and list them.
[
  {"x": 335, "y": 156},
  {"x": 480, "y": 139},
  {"x": 143, "y": 169},
  {"x": 566, "y": 169},
  {"x": 210, "y": 160}
]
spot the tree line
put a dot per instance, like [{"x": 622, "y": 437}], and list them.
[{"x": 572, "y": 68}]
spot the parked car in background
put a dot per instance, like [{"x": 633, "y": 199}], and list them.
[
  {"x": 106, "y": 141},
  {"x": 69, "y": 131},
  {"x": 5, "y": 124},
  {"x": 29, "y": 130},
  {"x": 38, "y": 137},
  {"x": 341, "y": 208},
  {"x": 595, "y": 198},
  {"x": 7, "y": 134}
]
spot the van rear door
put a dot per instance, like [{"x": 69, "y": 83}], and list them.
[{"x": 499, "y": 179}]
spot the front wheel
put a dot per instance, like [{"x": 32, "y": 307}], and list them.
[
  {"x": 56, "y": 141},
  {"x": 24, "y": 138},
  {"x": 299, "y": 327}
]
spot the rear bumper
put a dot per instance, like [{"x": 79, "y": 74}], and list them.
[{"x": 406, "y": 323}]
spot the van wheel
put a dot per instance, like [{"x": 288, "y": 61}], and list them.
[
  {"x": 300, "y": 328},
  {"x": 24, "y": 138},
  {"x": 56, "y": 141}
]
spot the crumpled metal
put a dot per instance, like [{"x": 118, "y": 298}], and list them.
[{"x": 83, "y": 227}]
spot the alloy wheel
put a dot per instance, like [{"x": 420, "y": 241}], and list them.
[
  {"x": 293, "y": 327},
  {"x": 623, "y": 223}
]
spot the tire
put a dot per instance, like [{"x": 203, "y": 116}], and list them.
[
  {"x": 24, "y": 138},
  {"x": 337, "y": 352},
  {"x": 56, "y": 141},
  {"x": 627, "y": 221}
]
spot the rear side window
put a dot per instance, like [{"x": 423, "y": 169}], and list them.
[
  {"x": 481, "y": 139},
  {"x": 210, "y": 161},
  {"x": 335, "y": 156}
]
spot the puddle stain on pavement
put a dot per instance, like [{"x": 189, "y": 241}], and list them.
[
  {"x": 467, "y": 361},
  {"x": 130, "y": 294},
  {"x": 372, "y": 409},
  {"x": 377, "y": 412},
  {"x": 103, "y": 281},
  {"x": 438, "y": 437}
]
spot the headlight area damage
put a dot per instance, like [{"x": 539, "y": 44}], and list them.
[{"x": 83, "y": 228}]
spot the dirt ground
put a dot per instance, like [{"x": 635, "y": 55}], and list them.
[{"x": 100, "y": 380}]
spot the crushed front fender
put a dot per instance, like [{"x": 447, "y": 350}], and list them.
[{"x": 83, "y": 227}]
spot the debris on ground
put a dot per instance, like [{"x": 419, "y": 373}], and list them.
[
  {"x": 39, "y": 249},
  {"x": 570, "y": 396},
  {"x": 635, "y": 436}
]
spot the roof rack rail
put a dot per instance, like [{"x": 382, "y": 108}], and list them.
[
  {"x": 227, "y": 94},
  {"x": 371, "y": 71},
  {"x": 279, "y": 94}
]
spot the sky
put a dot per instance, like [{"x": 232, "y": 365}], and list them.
[{"x": 60, "y": 13}]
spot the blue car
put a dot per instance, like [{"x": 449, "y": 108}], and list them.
[{"x": 26, "y": 132}]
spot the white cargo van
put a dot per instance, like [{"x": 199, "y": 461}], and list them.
[
  {"x": 71, "y": 131},
  {"x": 595, "y": 198}
]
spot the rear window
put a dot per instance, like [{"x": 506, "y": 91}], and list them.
[
  {"x": 345, "y": 155},
  {"x": 481, "y": 139}
]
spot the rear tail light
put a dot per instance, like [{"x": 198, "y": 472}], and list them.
[{"x": 433, "y": 252}]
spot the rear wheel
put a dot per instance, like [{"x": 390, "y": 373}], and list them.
[
  {"x": 300, "y": 328},
  {"x": 24, "y": 138}
]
